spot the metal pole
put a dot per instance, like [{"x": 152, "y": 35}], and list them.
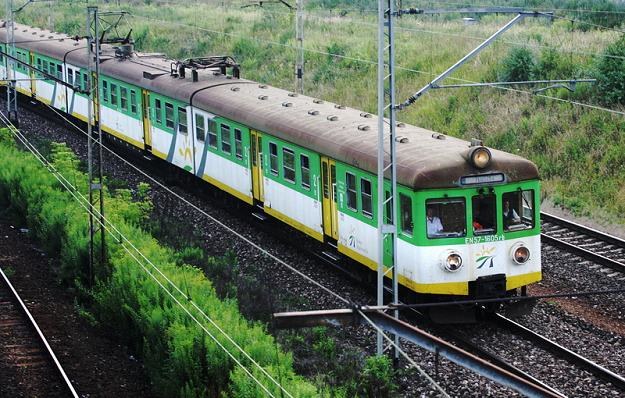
[
  {"x": 386, "y": 109},
  {"x": 10, "y": 65},
  {"x": 299, "y": 38}
]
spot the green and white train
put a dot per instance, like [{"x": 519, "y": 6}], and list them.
[{"x": 468, "y": 216}]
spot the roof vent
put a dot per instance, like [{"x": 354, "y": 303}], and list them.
[
  {"x": 476, "y": 142},
  {"x": 235, "y": 89},
  {"x": 287, "y": 104},
  {"x": 34, "y": 33},
  {"x": 401, "y": 125},
  {"x": 438, "y": 136},
  {"x": 401, "y": 139},
  {"x": 364, "y": 127},
  {"x": 366, "y": 115},
  {"x": 292, "y": 94},
  {"x": 313, "y": 112},
  {"x": 337, "y": 106},
  {"x": 318, "y": 101},
  {"x": 333, "y": 118},
  {"x": 262, "y": 86},
  {"x": 263, "y": 97},
  {"x": 49, "y": 37}
]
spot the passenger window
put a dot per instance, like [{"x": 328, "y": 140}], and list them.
[
  {"x": 212, "y": 134},
  {"x": 288, "y": 164},
  {"x": 200, "y": 132},
  {"x": 225, "y": 139},
  {"x": 405, "y": 209},
  {"x": 365, "y": 197},
  {"x": 238, "y": 144},
  {"x": 169, "y": 115},
  {"x": 114, "y": 94},
  {"x": 59, "y": 72},
  {"x": 45, "y": 66},
  {"x": 518, "y": 210},
  {"x": 70, "y": 76},
  {"x": 182, "y": 120},
  {"x": 484, "y": 221},
  {"x": 273, "y": 158},
  {"x": 78, "y": 80},
  {"x": 105, "y": 91},
  {"x": 324, "y": 177},
  {"x": 305, "y": 169},
  {"x": 351, "y": 191},
  {"x": 133, "y": 102},
  {"x": 445, "y": 218},
  {"x": 158, "y": 110},
  {"x": 123, "y": 97}
]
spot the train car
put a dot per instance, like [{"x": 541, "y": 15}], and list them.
[{"x": 468, "y": 216}]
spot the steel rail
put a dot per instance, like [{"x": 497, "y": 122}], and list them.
[
  {"x": 580, "y": 251},
  {"x": 42, "y": 338},
  {"x": 562, "y": 352}
]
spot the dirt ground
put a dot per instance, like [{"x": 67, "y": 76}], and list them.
[{"x": 96, "y": 365}]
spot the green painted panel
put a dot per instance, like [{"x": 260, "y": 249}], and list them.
[
  {"x": 158, "y": 115},
  {"x": 121, "y": 96},
  {"x": 239, "y": 151}
]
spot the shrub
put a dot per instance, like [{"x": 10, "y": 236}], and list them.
[
  {"x": 611, "y": 74},
  {"x": 518, "y": 65}
]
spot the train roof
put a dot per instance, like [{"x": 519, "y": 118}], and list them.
[{"x": 425, "y": 159}]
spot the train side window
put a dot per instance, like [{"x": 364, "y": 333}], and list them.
[
  {"x": 70, "y": 76},
  {"x": 288, "y": 164},
  {"x": 39, "y": 66},
  {"x": 238, "y": 144},
  {"x": 200, "y": 131},
  {"x": 226, "y": 146},
  {"x": 59, "y": 71},
  {"x": 45, "y": 66},
  {"x": 273, "y": 158},
  {"x": 182, "y": 120},
  {"x": 78, "y": 79},
  {"x": 350, "y": 180},
  {"x": 405, "y": 209},
  {"x": 212, "y": 134},
  {"x": 169, "y": 115},
  {"x": 105, "y": 91},
  {"x": 304, "y": 163},
  {"x": 324, "y": 177},
  {"x": 158, "y": 110},
  {"x": 518, "y": 210},
  {"x": 365, "y": 197},
  {"x": 123, "y": 98},
  {"x": 133, "y": 102},
  {"x": 445, "y": 218},
  {"x": 114, "y": 95},
  {"x": 484, "y": 220}
]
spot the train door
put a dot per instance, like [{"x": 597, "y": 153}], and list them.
[
  {"x": 147, "y": 131},
  {"x": 257, "y": 166},
  {"x": 330, "y": 218},
  {"x": 31, "y": 73}
]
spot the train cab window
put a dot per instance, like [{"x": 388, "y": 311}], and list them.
[
  {"x": 169, "y": 115},
  {"x": 445, "y": 218},
  {"x": 484, "y": 221},
  {"x": 133, "y": 102},
  {"x": 200, "y": 130},
  {"x": 350, "y": 180},
  {"x": 105, "y": 91},
  {"x": 158, "y": 110},
  {"x": 304, "y": 163},
  {"x": 405, "y": 209},
  {"x": 288, "y": 165},
  {"x": 212, "y": 133},
  {"x": 273, "y": 158},
  {"x": 238, "y": 144},
  {"x": 365, "y": 197},
  {"x": 123, "y": 98},
  {"x": 225, "y": 139},
  {"x": 114, "y": 95},
  {"x": 182, "y": 120},
  {"x": 518, "y": 210}
]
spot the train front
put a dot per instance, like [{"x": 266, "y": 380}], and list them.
[{"x": 479, "y": 236}]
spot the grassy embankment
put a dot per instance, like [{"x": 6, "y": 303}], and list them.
[{"x": 580, "y": 151}]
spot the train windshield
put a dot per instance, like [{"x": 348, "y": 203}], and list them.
[
  {"x": 445, "y": 218},
  {"x": 518, "y": 210},
  {"x": 484, "y": 220}
]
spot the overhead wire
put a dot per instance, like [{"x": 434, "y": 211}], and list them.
[
  {"x": 243, "y": 238},
  {"x": 399, "y": 67}
]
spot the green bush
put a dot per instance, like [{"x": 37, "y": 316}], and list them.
[
  {"x": 181, "y": 359},
  {"x": 518, "y": 65},
  {"x": 611, "y": 74}
]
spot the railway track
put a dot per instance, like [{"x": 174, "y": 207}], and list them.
[
  {"x": 590, "y": 244},
  {"x": 25, "y": 348},
  {"x": 560, "y": 351}
]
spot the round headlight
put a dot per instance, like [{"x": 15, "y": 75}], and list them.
[
  {"x": 453, "y": 262},
  {"x": 480, "y": 157},
  {"x": 521, "y": 254}
]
